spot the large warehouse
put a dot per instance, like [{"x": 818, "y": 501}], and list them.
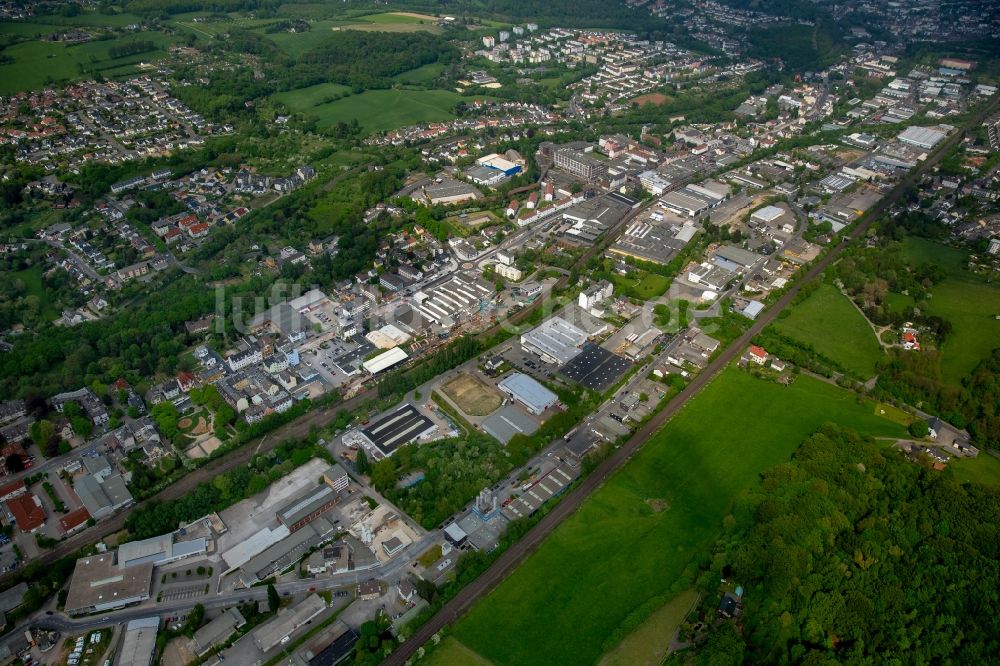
[
  {"x": 397, "y": 429},
  {"x": 385, "y": 360},
  {"x": 555, "y": 340},
  {"x": 525, "y": 390},
  {"x": 98, "y": 585}
]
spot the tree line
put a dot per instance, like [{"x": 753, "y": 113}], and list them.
[{"x": 852, "y": 554}]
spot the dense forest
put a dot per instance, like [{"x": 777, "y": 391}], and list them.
[{"x": 856, "y": 555}]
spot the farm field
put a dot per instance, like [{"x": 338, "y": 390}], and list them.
[
  {"x": 40, "y": 63},
  {"x": 828, "y": 322},
  {"x": 964, "y": 299},
  {"x": 472, "y": 395},
  {"x": 660, "y": 513},
  {"x": 382, "y": 110}
]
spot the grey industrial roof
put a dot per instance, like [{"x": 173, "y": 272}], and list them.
[
  {"x": 270, "y": 633},
  {"x": 528, "y": 391},
  {"x": 139, "y": 644},
  {"x": 97, "y": 581},
  {"x": 557, "y": 338},
  {"x": 284, "y": 553},
  {"x": 508, "y": 421},
  {"x": 218, "y": 630},
  {"x": 540, "y": 492},
  {"x": 13, "y": 597},
  {"x": 305, "y": 503}
]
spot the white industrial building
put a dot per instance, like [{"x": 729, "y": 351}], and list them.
[
  {"x": 555, "y": 340},
  {"x": 384, "y": 361},
  {"x": 528, "y": 392}
]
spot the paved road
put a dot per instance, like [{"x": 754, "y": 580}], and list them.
[{"x": 516, "y": 554}]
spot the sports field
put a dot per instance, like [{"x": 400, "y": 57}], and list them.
[
  {"x": 828, "y": 322},
  {"x": 618, "y": 553},
  {"x": 964, "y": 299},
  {"x": 472, "y": 395}
]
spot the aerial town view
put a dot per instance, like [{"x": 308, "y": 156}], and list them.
[{"x": 499, "y": 332}]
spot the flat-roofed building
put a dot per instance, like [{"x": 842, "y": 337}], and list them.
[
  {"x": 139, "y": 644},
  {"x": 392, "y": 431},
  {"x": 217, "y": 631},
  {"x": 336, "y": 477},
  {"x": 276, "y": 631},
  {"x": 99, "y": 585},
  {"x": 527, "y": 391},
  {"x": 307, "y": 506},
  {"x": 159, "y": 550},
  {"x": 922, "y": 137},
  {"x": 555, "y": 340},
  {"x": 547, "y": 487},
  {"x": 580, "y": 163},
  {"x": 286, "y": 552},
  {"x": 385, "y": 360}
]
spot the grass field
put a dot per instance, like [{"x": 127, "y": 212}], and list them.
[
  {"x": 452, "y": 653},
  {"x": 827, "y": 321},
  {"x": 984, "y": 469},
  {"x": 380, "y": 110},
  {"x": 31, "y": 278},
  {"x": 964, "y": 299},
  {"x": 40, "y": 63},
  {"x": 617, "y": 552},
  {"x": 422, "y": 74},
  {"x": 304, "y": 99},
  {"x": 648, "y": 645},
  {"x": 641, "y": 285},
  {"x": 472, "y": 395}
]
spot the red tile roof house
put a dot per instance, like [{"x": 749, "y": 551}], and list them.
[
  {"x": 758, "y": 354},
  {"x": 74, "y": 520},
  {"x": 12, "y": 490},
  {"x": 27, "y": 511}
]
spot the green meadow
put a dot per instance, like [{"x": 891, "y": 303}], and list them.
[
  {"x": 636, "y": 540},
  {"x": 828, "y": 322}
]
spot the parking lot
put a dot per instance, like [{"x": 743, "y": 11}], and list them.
[{"x": 178, "y": 592}]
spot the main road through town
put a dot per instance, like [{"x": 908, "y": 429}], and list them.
[{"x": 516, "y": 554}]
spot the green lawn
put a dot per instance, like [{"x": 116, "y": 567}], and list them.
[
  {"x": 452, "y": 653},
  {"x": 923, "y": 250},
  {"x": 964, "y": 299},
  {"x": 640, "y": 284},
  {"x": 984, "y": 469},
  {"x": 379, "y": 110},
  {"x": 40, "y": 63},
  {"x": 827, "y": 321},
  {"x": 616, "y": 553}
]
